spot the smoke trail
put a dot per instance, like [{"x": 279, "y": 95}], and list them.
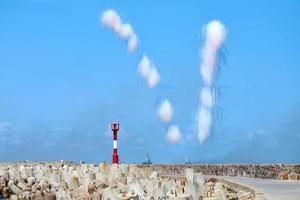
[
  {"x": 148, "y": 71},
  {"x": 112, "y": 20},
  {"x": 165, "y": 111},
  {"x": 173, "y": 134},
  {"x": 146, "y": 68},
  {"x": 215, "y": 35}
]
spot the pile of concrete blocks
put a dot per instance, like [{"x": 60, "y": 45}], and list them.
[{"x": 68, "y": 181}]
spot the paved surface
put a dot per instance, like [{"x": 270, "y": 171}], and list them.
[{"x": 272, "y": 189}]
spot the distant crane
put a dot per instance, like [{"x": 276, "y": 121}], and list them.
[
  {"x": 188, "y": 161},
  {"x": 147, "y": 160}
]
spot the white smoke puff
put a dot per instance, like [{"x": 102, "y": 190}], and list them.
[
  {"x": 173, "y": 134},
  {"x": 207, "y": 67},
  {"x": 148, "y": 71},
  {"x": 144, "y": 66},
  {"x": 132, "y": 43},
  {"x": 165, "y": 111},
  {"x": 126, "y": 30},
  {"x": 207, "y": 97},
  {"x": 153, "y": 77},
  {"x": 207, "y": 75},
  {"x": 111, "y": 19},
  {"x": 204, "y": 123},
  {"x": 215, "y": 34}
]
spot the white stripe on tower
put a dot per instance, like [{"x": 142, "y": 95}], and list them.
[{"x": 115, "y": 144}]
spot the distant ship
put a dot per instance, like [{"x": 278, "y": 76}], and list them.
[{"x": 147, "y": 160}]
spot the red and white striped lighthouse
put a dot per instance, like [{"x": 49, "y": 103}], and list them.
[{"x": 115, "y": 157}]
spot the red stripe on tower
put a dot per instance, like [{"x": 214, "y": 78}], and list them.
[{"x": 115, "y": 157}]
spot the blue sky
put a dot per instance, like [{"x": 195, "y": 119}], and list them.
[{"x": 64, "y": 77}]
